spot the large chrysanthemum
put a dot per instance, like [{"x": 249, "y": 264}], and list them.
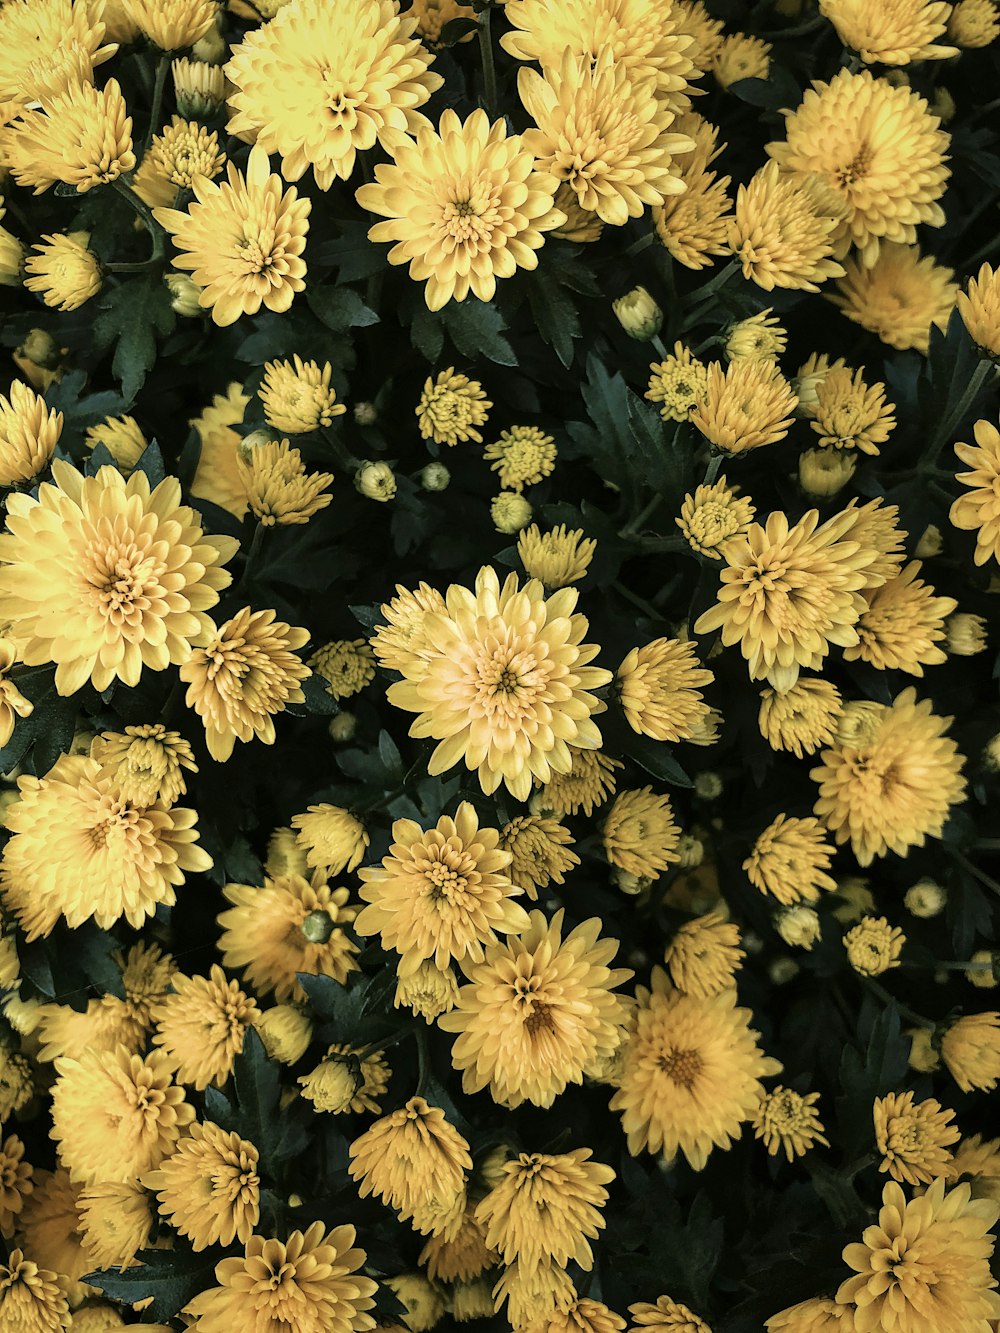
[
  {"x": 310, "y": 1282},
  {"x": 978, "y": 510},
  {"x": 640, "y": 834},
  {"x": 537, "y": 1012},
  {"x": 465, "y": 206},
  {"x": 876, "y": 145},
  {"x": 351, "y": 73},
  {"x": 242, "y": 238},
  {"x": 82, "y": 137},
  {"x": 209, "y": 1188},
  {"x": 659, "y": 688},
  {"x": 507, "y": 688},
  {"x": 79, "y": 850},
  {"x": 104, "y": 577},
  {"x": 891, "y": 32},
  {"x": 540, "y": 852},
  {"x": 785, "y": 230},
  {"x": 47, "y": 47},
  {"x": 790, "y": 859},
  {"x": 894, "y": 786},
  {"x": 903, "y": 625},
  {"x": 746, "y": 405},
  {"x": 925, "y": 1264},
  {"x": 201, "y": 1025},
  {"x": 691, "y": 1073},
  {"x": 898, "y": 297}
]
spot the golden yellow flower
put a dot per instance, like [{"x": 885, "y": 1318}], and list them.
[
  {"x": 122, "y": 438},
  {"x": 208, "y": 1189},
  {"x": 914, "y": 1138},
  {"x": 63, "y": 271},
  {"x": 876, "y": 527},
  {"x": 423, "y": 1303},
  {"x": 706, "y": 32},
  {"x": 971, "y": 1050},
  {"x": 585, "y": 1316},
  {"x": 47, "y": 47},
  {"x": 245, "y": 674},
  {"x": 974, "y": 23},
  {"x": 510, "y": 512},
  {"x": 312, "y": 1279},
  {"x": 286, "y": 1032},
  {"x": 589, "y": 783},
  {"x": 890, "y": 32},
  {"x": 803, "y": 718},
  {"x": 703, "y": 955},
  {"x": 712, "y": 515},
  {"x": 825, "y": 472},
  {"x": 965, "y": 635},
  {"x": 183, "y": 150},
  {"x": 50, "y": 1229},
  {"x": 115, "y": 1222},
  {"x": 242, "y": 239},
  {"x": 747, "y": 405},
  {"x": 278, "y": 488},
  {"x": 440, "y": 894},
  {"x": 876, "y": 145},
  {"x": 667, "y": 1314},
  {"x": 533, "y": 1294},
  {"x": 580, "y": 226},
  {"x": 334, "y": 840},
  {"x": 678, "y": 383},
  {"x": 29, "y": 433},
  {"x": 347, "y": 1080},
  {"x": 741, "y": 56},
  {"x": 428, "y": 991},
  {"x": 347, "y": 666},
  {"x": 172, "y": 25},
  {"x": 15, "y": 1183},
  {"x": 201, "y": 1027},
  {"x": 979, "y": 1158},
  {"x": 659, "y": 690},
  {"x": 146, "y": 763},
  {"x": 980, "y": 307},
  {"x": 978, "y": 510},
  {"x": 790, "y": 859},
  {"x": 83, "y": 138},
  {"x": 433, "y": 15},
  {"x": 895, "y": 787},
  {"x": 816, "y": 1315},
  {"x": 537, "y": 1012},
  {"x": 557, "y": 558},
  {"x": 788, "y": 1121},
  {"x": 898, "y": 297},
  {"x": 759, "y": 337},
  {"x": 694, "y": 225},
  {"x": 404, "y": 643},
  {"x": 16, "y": 1082},
  {"x": 462, "y": 1257},
  {"x": 415, "y": 1161},
  {"x": 298, "y": 397},
  {"x": 31, "y": 1300},
  {"x": 691, "y": 1073},
  {"x": 540, "y": 853},
  {"x": 522, "y": 456},
  {"x": 785, "y": 230},
  {"x": 451, "y": 408},
  {"x": 640, "y": 833},
  {"x": 602, "y": 134},
  {"x": 902, "y": 625},
  {"x": 116, "y": 1115},
  {"x": 217, "y": 477},
  {"x": 850, "y": 414},
  {"x": 926, "y": 1257},
  {"x": 200, "y": 88}
]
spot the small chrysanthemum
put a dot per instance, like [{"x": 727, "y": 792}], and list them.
[
  {"x": 115, "y": 1223},
  {"x": 533, "y": 1294},
  {"x": 172, "y": 25},
  {"x": 741, "y": 56},
  {"x": 589, "y": 783},
  {"x": 278, "y": 488},
  {"x": 784, "y": 230},
  {"x": 674, "y": 1316},
  {"x": 747, "y": 405},
  {"x": 15, "y": 1183},
  {"x": 898, "y": 297},
  {"x": 82, "y": 137},
  {"x": 180, "y": 152},
  {"x": 348, "y": 1079},
  {"x": 63, "y": 271},
  {"x": 540, "y": 852},
  {"x": 803, "y": 718},
  {"x": 298, "y": 397},
  {"x": 451, "y": 408},
  {"x": 286, "y": 1031},
  {"x": 433, "y": 16},
  {"x": 333, "y": 838},
  {"x": 873, "y": 946},
  {"x": 978, "y": 509},
  {"x": 974, "y": 23},
  {"x": 902, "y": 626},
  {"x": 244, "y": 675},
  {"x": 122, "y": 438},
  {"x": 850, "y": 414},
  {"x": 404, "y": 642},
  {"x": 16, "y": 1082},
  {"x": 147, "y": 763},
  {"x": 659, "y": 687},
  {"x": 347, "y": 666},
  {"x": 31, "y": 1298},
  {"x": 522, "y": 456},
  {"x": 678, "y": 383},
  {"x": 640, "y": 833},
  {"x": 209, "y": 1189},
  {"x": 217, "y": 477},
  {"x": 557, "y": 558},
  {"x": 971, "y": 1050},
  {"x": 980, "y": 309},
  {"x": 788, "y": 1121},
  {"x": 429, "y": 991},
  {"x": 890, "y": 32},
  {"x": 914, "y": 1138},
  {"x": 242, "y": 239},
  {"x": 29, "y": 433},
  {"x": 760, "y": 337},
  {"x": 694, "y": 226},
  {"x": 704, "y": 954},
  {"x": 790, "y": 859},
  {"x": 712, "y": 515},
  {"x": 200, "y": 88},
  {"x": 979, "y": 1158},
  {"x": 201, "y": 1026}
]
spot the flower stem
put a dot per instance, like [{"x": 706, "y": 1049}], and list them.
[
  {"x": 157, "y": 235},
  {"x": 951, "y": 422},
  {"x": 633, "y": 528},
  {"x": 489, "y": 69},
  {"x": 256, "y": 542},
  {"x": 713, "y": 285},
  {"x": 162, "y": 65},
  {"x": 712, "y": 471},
  {"x": 423, "y": 1055},
  {"x": 637, "y": 601},
  {"x": 976, "y": 873},
  {"x": 905, "y": 1010},
  {"x": 638, "y": 246}
]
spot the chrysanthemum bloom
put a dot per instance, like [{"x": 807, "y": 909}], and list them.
[
  {"x": 980, "y": 309},
  {"x": 914, "y": 1138},
  {"x": 463, "y": 1256},
  {"x": 925, "y": 1259},
  {"x": 63, "y": 271},
  {"x": 146, "y": 763},
  {"x": 790, "y": 859},
  {"x": 172, "y": 25},
  {"x": 585, "y": 1316},
  {"x": 691, "y": 1073},
  {"x": 116, "y": 1115},
  {"x": 876, "y": 526},
  {"x": 823, "y": 473},
  {"x": 464, "y": 205},
  {"x": 122, "y": 438},
  {"x": 15, "y": 1183},
  {"x": 403, "y": 643},
  {"x": 879, "y": 147},
  {"x": 413, "y": 1160},
  {"x": 347, "y": 1080},
  {"x": 242, "y": 677},
  {"x": 217, "y": 476},
  {"x": 507, "y": 690},
  {"x": 279, "y": 490},
  {"x": 242, "y": 239},
  {"x": 965, "y": 635},
  {"x": 533, "y": 1294},
  {"x": 896, "y": 786},
  {"x": 557, "y": 558},
  {"x": 286, "y": 1032},
  {"x": 352, "y": 74},
  {"x": 978, "y": 510},
  {"x": 510, "y": 512},
  {"x": 440, "y": 894},
  {"x": 104, "y": 577},
  {"x": 49, "y": 1227},
  {"x": 31, "y": 1299},
  {"x": 48, "y": 46},
  {"x": 29, "y": 433},
  {"x": 429, "y": 991},
  {"x": 798, "y": 926},
  {"x": 298, "y": 397},
  {"x": 747, "y": 405},
  {"x": 540, "y": 852},
  {"x": 817, "y": 1315},
  {"x": 659, "y": 689},
  {"x": 183, "y": 150},
  {"x": 11, "y": 255},
  {"x": 604, "y": 135},
  {"x": 640, "y": 833},
  {"x": 347, "y": 666},
  {"x": 850, "y": 414},
  {"x": 451, "y": 408},
  {"x": 978, "y": 1158},
  {"x": 668, "y": 1314},
  {"x": 784, "y": 230},
  {"x": 83, "y": 138},
  {"x": 580, "y": 226},
  {"x": 522, "y": 456},
  {"x": 115, "y": 1222},
  {"x": 16, "y": 1082},
  {"x": 588, "y": 784},
  {"x": 971, "y": 1050},
  {"x": 333, "y": 838},
  {"x": 433, "y": 15},
  {"x": 703, "y": 956},
  {"x": 202, "y": 1026},
  {"x": 890, "y": 32},
  {"x": 208, "y": 1189},
  {"x": 80, "y": 850},
  {"x": 741, "y": 56},
  {"x": 974, "y": 23},
  {"x": 803, "y": 718},
  {"x": 788, "y": 1121},
  {"x": 694, "y": 226},
  {"x": 678, "y": 383},
  {"x": 903, "y": 625},
  {"x": 759, "y": 337},
  {"x": 898, "y": 297},
  {"x": 712, "y": 515},
  {"x": 310, "y": 1281},
  {"x": 706, "y": 33}
]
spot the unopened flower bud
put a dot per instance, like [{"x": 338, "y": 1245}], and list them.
[
  {"x": 200, "y": 88},
  {"x": 23, "y": 1015},
  {"x": 332, "y": 1084},
  {"x": 690, "y": 851},
  {"x": 41, "y": 348},
  {"x": 251, "y": 442},
  {"x": 943, "y": 105},
  {"x": 317, "y": 927},
  {"x": 925, "y": 899},
  {"x": 985, "y": 969},
  {"x": 965, "y": 634},
  {"x": 930, "y": 544},
  {"x": 923, "y": 1057},
  {"x": 375, "y": 481},
  {"x": 286, "y": 1033},
  {"x": 365, "y": 413},
  {"x": 342, "y": 728},
  {"x": 990, "y": 755},
  {"x": 435, "y": 477},
  {"x": 708, "y": 786},
  {"x": 798, "y": 926},
  {"x": 782, "y": 970},
  {"x": 823, "y": 472},
  {"x": 185, "y": 295},
  {"x": 629, "y": 883},
  {"x": 638, "y": 314},
  {"x": 510, "y": 512}
]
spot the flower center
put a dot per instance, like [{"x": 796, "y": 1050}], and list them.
[
  {"x": 681, "y": 1065},
  {"x": 856, "y": 169}
]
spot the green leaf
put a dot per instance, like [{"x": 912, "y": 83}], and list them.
[
  {"x": 454, "y": 30},
  {"x": 339, "y": 308},
  {"x": 352, "y": 253},
  {"x": 554, "y": 313},
  {"x": 257, "y": 1117},
  {"x": 775, "y": 93},
  {"x": 318, "y": 697},
  {"x": 171, "y": 1277},
  {"x": 476, "y": 328},
  {"x": 427, "y": 334},
  {"x": 131, "y": 316},
  {"x": 151, "y": 463},
  {"x": 869, "y": 1073},
  {"x": 655, "y": 757}
]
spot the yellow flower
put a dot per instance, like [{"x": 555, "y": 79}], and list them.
[
  {"x": 978, "y": 510},
  {"x": 659, "y": 689},
  {"x": 115, "y": 1223},
  {"x": 352, "y": 73},
  {"x": 433, "y": 15},
  {"x": 876, "y": 527},
  {"x": 980, "y": 307},
  {"x": 903, "y": 623},
  {"x": 691, "y": 1073},
  {"x": 895, "y": 787},
  {"x": 122, "y": 438},
  {"x": 48, "y": 46},
  {"x": 873, "y": 946},
  {"x": 201, "y": 1026},
  {"x": 347, "y": 1080},
  {"x": 423, "y": 1302},
  {"x": 602, "y": 134},
  {"x": 979, "y": 1158},
  {"x": 286, "y": 1033},
  {"x": 712, "y": 515},
  {"x": 965, "y": 634},
  {"x": 640, "y": 833},
  {"x": 208, "y": 1189},
  {"x": 678, "y": 383},
  {"x": 740, "y": 56},
  {"x": 217, "y": 476},
  {"x": 580, "y": 226},
  {"x": 914, "y": 1138},
  {"x": 16, "y": 1082},
  {"x": 540, "y": 852},
  {"x": 63, "y": 271},
  {"x": 875, "y": 145},
  {"x": 757, "y": 338},
  {"x": 585, "y": 1316},
  {"x": 347, "y": 665},
  {"x": 533, "y": 1294},
  {"x": 850, "y": 414},
  {"x": 103, "y": 576},
  {"x": 747, "y": 405},
  {"x": 182, "y": 151},
  {"x": 703, "y": 955},
  {"x": 451, "y": 408},
  {"x": 823, "y": 473},
  {"x": 464, "y": 206},
  {"x": 788, "y": 1121},
  {"x": 694, "y": 225},
  {"x": 890, "y": 32},
  {"x": 31, "y": 1300},
  {"x": 311, "y": 1279},
  {"x": 802, "y": 719},
  {"x": 50, "y": 1227},
  {"x": 816, "y": 1315},
  {"x": 440, "y": 894},
  {"x": 928, "y": 1255},
  {"x": 668, "y": 1314},
  {"x": 557, "y": 558},
  {"x": 428, "y": 991},
  {"x": 297, "y": 397},
  {"x": 538, "y": 1011},
  {"x": 200, "y": 89},
  {"x": 785, "y": 230},
  {"x": 244, "y": 675},
  {"x": 790, "y": 859},
  {"x": 695, "y": 20},
  {"x": 243, "y": 239},
  {"x": 588, "y": 784},
  {"x": 15, "y": 1183},
  {"x": 510, "y": 512},
  {"x": 971, "y": 1050},
  {"x": 522, "y": 456},
  {"x": 29, "y": 433},
  {"x": 403, "y": 643},
  {"x": 462, "y": 1257},
  {"x": 279, "y": 491},
  {"x": 974, "y": 23},
  {"x": 898, "y": 297},
  {"x": 172, "y": 24},
  {"x": 146, "y": 763},
  {"x": 83, "y": 138},
  {"x": 638, "y": 314}
]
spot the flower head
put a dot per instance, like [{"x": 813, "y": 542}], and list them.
[
  {"x": 297, "y": 396},
  {"x": 790, "y": 859},
  {"x": 898, "y": 297},
  {"x": 29, "y": 433},
  {"x": 694, "y": 226},
  {"x": 278, "y": 488},
  {"x": 208, "y": 1189},
  {"x": 784, "y": 230},
  {"x": 433, "y": 15},
  {"x": 115, "y": 1222},
  {"x": 63, "y": 271},
  {"x": 462, "y": 1256},
  {"x": 451, "y": 408},
  {"x": 333, "y": 838},
  {"x": 978, "y": 509},
  {"x": 15, "y": 1183},
  {"x": 347, "y": 1080},
  {"x": 147, "y": 763},
  {"x": 180, "y": 152},
  {"x": 122, "y": 438},
  {"x": 803, "y": 718},
  {"x": 914, "y": 1138},
  {"x": 429, "y": 991},
  {"x": 974, "y": 23},
  {"x": 890, "y": 32},
  {"x": 522, "y": 456},
  {"x": 539, "y": 849},
  {"x": 971, "y": 1050},
  {"x": 172, "y": 25},
  {"x": 741, "y": 56},
  {"x": 201, "y": 1025},
  {"x": 31, "y": 1299},
  {"x": 850, "y": 414},
  {"x": 82, "y": 137},
  {"x": 788, "y": 1121},
  {"x": 200, "y": 88},
  {"x": 747, "y": 405},
  {"x": 703, "y": 955},
  {"x": 816, "y": 1315},
  {"x": 659, "y": 689},
  {"x": 678, "y": 383},
  {"x": 510, "y": 512},
  {"x": 347, "y": 666},
  {"x": 557, "y": 558},
  {"x": 403, "y": 643},
  {"x": 640, "y": 833},
  {"x": 903, "y": 625},
  {"x": 712, "y": 515},
  {"x": 47, "y": 47},
  {"x": 217, "y": 476},
  {"x": 674, "y": 1316},
  {"x": 589, "y": 783}
]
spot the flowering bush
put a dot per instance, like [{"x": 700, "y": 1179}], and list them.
[{"x": 500, "y": 740}]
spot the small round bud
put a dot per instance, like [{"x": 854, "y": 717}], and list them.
[
  {"x": 708, "y": 786},
  {"x": 823, "y": 472},
  {"x": 342, "y": 728},
  {"x": 990, "y": 755},
  {"x": 510, "y": 512},
  {"x": 690, "y": 851},
  {"x": 751, "y": 941},
  {"x": 331, "y": 1085},
  {"x": 782, "y": 970},
  {"x": 317, "y": 927},
  {"x": 286, "y": 1033},
  {"x": 638, "y": 314},
  {"x": 365, "y": 413},
  {"x": 41, "y": 349},
  {"x": 185, "y": 295},
  {"x": 965, "y": 634},
  {"x": 930, "y": 544},
  {"x": 295, "y": 1200},
  {"x": 375, "y": 481},
  {"x": 628, "y": 883},
  {"x": 435, "y": 477},
  {"x": 923, "y": 1057},
  {"x": 251, "y": 442},
  {"x": 798, "y": 926},
  {"x": 985, "y": 969},
  {"x": 943, "y": 105},
  {"x": 925, "y": 899}
]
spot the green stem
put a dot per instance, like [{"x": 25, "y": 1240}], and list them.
[
  {"x": 157, "y": 235},
  {"x": 256, "y": 543},
  {"x": 376, "y": 1047},
  {"x": 163, "y": 64},
  {"x": 652, "y": 544},
  {"x": 631, "y": 529},
  {"x": 638, "y": 246},
  {"x": 657, "y": 342},
  {"x": 976, "y": 873},
  {"x": 714, "y": 284},
  {"x": 905, "y": 1010},
  {"x": 712, "y": 471},
  {"x": 343, "y": 458},
  {"x": 423, "y": 1055},
  {"x": 646, "y": 607},
  {"x": 951, "y": 421},
  {"x": 489, "y": 69}
]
